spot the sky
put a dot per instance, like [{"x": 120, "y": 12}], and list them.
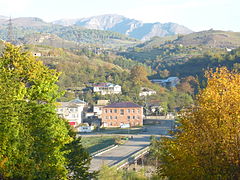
[{"x": 197, "y": 15}]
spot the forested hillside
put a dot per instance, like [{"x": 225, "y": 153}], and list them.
[
  {"x": 188, "y": 55},
  {"x": 161, "y": 57},
  {"x": 80, "y": 68}
]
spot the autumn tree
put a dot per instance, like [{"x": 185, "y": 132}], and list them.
[
  {"x": 139, "y": 75},
  {"x": 188, "y": 85},
  {"x": 32, "y": 136},
  {"x": 164, "y": 73},
  {"x": 206, "y": 145}
]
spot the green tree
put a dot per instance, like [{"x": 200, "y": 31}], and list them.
[
  {"x": 78, "y": 158},
  {"x": 33, "y": 137},
  {"x": 206, "y": 145}
]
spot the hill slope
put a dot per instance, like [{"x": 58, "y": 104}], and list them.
[
  {"x": 178, "y": 53},
  {"x": 211, "y": 38}
]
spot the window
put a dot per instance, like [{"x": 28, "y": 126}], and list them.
[
  {"x": 115, "y": 117},
  {"x": 110, "y": 110},
  {"x": 129, "y": 117},
  {"x": 106, "y": 117},
  {"x": 128, "y": 110},
  {"x": 110, "y": 117},
  {"x": 115, "y": 110},
  {"x": 138, "y": 110},
  {"x": 138, "y": 117},
  {"x": 105, "y": 110},
  {"x": 121, "y": 111},
  {"x": 133, "y": 117},
  {"x": 133, "y": 110}
]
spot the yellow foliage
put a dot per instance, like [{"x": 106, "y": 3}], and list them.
[{"x": 208, "y": 144}]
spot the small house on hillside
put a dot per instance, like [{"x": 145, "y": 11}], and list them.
[
  {"x": 146, "y": 92},
  {"x": 72, "y": 111},
  {"x": 106, "y": 88},
  {"x": 122, "y": 113},
  {"x": 169, "y": 82}
]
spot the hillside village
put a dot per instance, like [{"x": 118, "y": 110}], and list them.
[
  {"x": 109, "y": 114},
  {"x": 109, "y": 96}
]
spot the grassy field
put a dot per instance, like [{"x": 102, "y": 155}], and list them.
[{"x": 94, "y": 144}]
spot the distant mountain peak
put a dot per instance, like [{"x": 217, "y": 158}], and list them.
[{"x": 131, "y": 27}]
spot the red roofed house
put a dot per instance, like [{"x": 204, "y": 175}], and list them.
[{"x": 122, "y": 113}]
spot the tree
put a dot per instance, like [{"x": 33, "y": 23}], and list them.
[
  {"x": 78, "y": 158},
  {"x": 206, "y": 145},
  {"x": 139, "y": 75},
  {"x": 33, "y": 137},
  {"x": 188, "y": 85},
  {"x": 164, "y": 73}
]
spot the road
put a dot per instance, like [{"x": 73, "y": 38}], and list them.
[
  {"x": 119, "y": 153},
  {"x": 132, "y": 146}
]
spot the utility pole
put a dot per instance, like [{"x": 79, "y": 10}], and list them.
[{"x": 10, "y": 37}]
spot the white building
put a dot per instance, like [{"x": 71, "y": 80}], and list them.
[
  {"x": 97, "y": 108},
  {"x": 170, "y": 82},
  {"x": 146, "y": 92},
  {"x": 85, "y": 128},
  {"x": 107, "y": 88},
  {"x": 72, "y": 111},
  {"x": 37, "y": 54}
]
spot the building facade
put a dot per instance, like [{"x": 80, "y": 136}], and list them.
[
  {"x": 146, "y": 92},
  {"x": 97, "y": 108},
  {"x": 122, "y": 114},
  {"x": 107, "y": 88},
  {"x": 72, "y": 111},
  {"x": 169, "y": 82}
]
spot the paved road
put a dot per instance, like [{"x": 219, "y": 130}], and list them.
[
  {"x": 121, "y": 152},
  {"x": 132, "y": 146}
]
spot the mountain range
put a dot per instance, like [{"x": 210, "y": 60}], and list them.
[
  {"x": 106, "y": 30},
  {"x": 32, "y": 29},
  {"x": 130, "y": 27}
]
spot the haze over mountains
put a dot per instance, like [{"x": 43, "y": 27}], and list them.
[{"x": 131, "y": 27}]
